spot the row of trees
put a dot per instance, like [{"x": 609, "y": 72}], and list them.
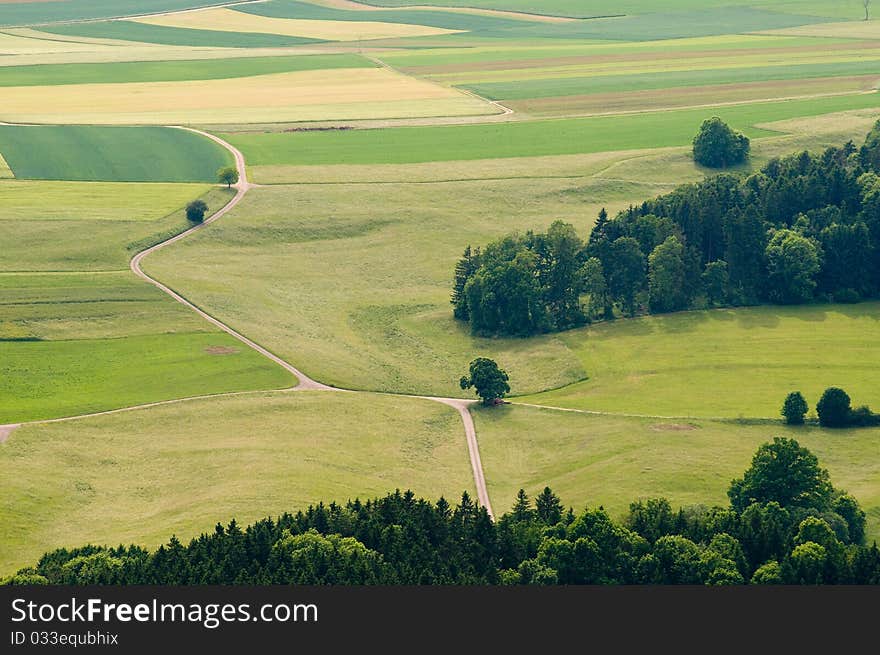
[
  {"x": 786, "y": 523},
  {"x": 834, "y": 410},
  {"x": 803, "y": 228}
]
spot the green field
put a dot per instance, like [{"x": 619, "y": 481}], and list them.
[
  {"x": 143, "y": 33},
  {"x": 172, "y": 71},
  {"x": 564, "y": 86},
  {"x": 524, "y": 139},
  {"x": 28, "y": 13},
  {"x": 696, "y": 363},
  {"x": 51, "y": 379},
  {"x": 113, "y": 154},
  {"x": 351, "y": 282},
  {"x": 84, "y": 342},
  {"x": 138, "y": 477},
  {"x": 613, "y": 461}
]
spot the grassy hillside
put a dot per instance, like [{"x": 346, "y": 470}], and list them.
[{"x": 140, "y": 476}]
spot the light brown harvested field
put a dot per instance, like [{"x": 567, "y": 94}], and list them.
[
  {"x": 228, "y": 20},
  {"x": 5, "y": 171},
  {"x": 850, "y": 30},
  {"x": 675, "y": 97},
  {"x": 297, "y": 96},
  {"x": 591, "y": 58}
]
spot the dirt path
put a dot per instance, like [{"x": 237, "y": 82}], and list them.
[
  {"x": 305, "y": 382},
  {"x": 241, "y": 188},
  {"x": 6, "y": 430}
]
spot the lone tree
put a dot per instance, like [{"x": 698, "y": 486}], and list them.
[
  {"x": 195, "y": 211},
  {"x": 489, "y": 381},
  {"x": 718, "y": 146},
  {"x": 228, "y": 176},
  {"x": 834, "y": 408},
  {"x": 795, "y": 408}
]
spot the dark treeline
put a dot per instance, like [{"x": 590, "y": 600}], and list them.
[
  {"x": 785, "y": 524},
  {"x": 804, "y": 228}
]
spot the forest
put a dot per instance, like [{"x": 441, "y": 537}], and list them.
[
  {"x": 785, "y": 524},
  {"x": 804, "y": 228}
]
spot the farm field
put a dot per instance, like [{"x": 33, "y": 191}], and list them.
[
  {"x": 130, "y": 478},
  {"x": 525, "y": 139},
  {"x": 298, "y": 96},
  {"x": 26, "y": 13},
  {"x": 110, "y": 154},
  {"x": 380, "y": 139},
  {"x": 229, "y": 20},
  {"x": 172, "y": 71},
  {"x": 613, "y": 461}
]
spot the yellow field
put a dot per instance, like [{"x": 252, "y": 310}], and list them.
[
  {"x": 227, "y": 20},
  {"x": 5, "y": 171},
  {"x": 851, "y": 30},
  {"x": 298, "y": 96}
]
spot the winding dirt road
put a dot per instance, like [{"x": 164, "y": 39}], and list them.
[{"x": 305, "y": 383}]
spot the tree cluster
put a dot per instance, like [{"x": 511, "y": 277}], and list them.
[
  {"x": 804, "y": 228},
  {"x": 786, "y": 524},
  {"x": 718, "y": 146}
]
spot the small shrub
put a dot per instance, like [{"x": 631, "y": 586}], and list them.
[{"x": 195, "y": 211}]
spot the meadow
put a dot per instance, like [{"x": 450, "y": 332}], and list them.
[
  {"x": 612, "y": 461},
  {"x": 131, "y": 478},
  {"x": 694, "y": 363},
  {"x": 527, "y": 138},
  {"x": 95, "y": 226},
  {"x": 113, "y": 154},
  {"x": 352, "y": 280}
]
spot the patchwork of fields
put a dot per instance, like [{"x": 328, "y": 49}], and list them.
[{"x": 388, "y": 137}]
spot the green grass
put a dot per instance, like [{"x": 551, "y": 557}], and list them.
[
  {"x": 50, "y": 379},
  {"x": 160, "y": 34},
  {"x": 613, "y": 461},
  {"x": 90, "y": 226},
  {"x": 352, "y": 282},
  {"x": 28, "y": 13},
  {"x": 113, "y": 154},
  {"x": 138, "y": 477},
  {"x": 620, "y": 83},
  {"x": 523, "y": 139},
  {"x": 76, "y": 306},
  {"x": 726, "y": 363},
  {"x": 171, "y": 71}
]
